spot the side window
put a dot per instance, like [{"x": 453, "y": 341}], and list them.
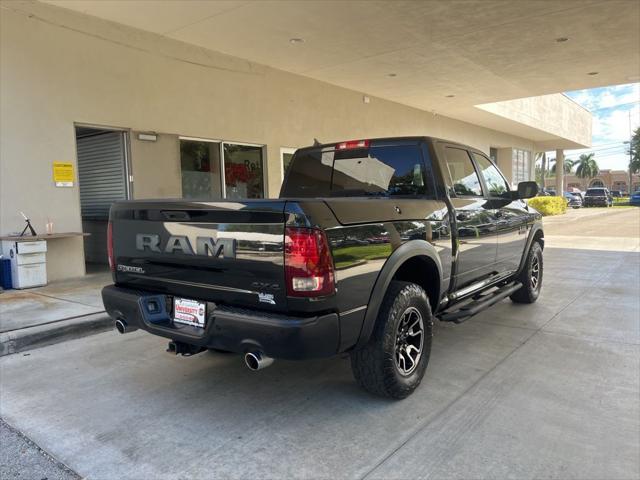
[
  {"x": 495, "y": 182},
  {"x": 463, "y": 179}
]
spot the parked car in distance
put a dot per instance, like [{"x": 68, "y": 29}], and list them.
[
  {"x": 579, "y": 193},
  {"x": 369, "y": 242},
  {"x": 635, "y": 199},
  {"x": 573, "y": 199},
  {"x": 598, "y": 197},
  {"x": 617, "y": 194},
  {"x": 551, "y": 192}
]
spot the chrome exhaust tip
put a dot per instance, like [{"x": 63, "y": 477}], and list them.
[
  {"x": 121, "y": 326},
  {"x": 257, "y": 361}
]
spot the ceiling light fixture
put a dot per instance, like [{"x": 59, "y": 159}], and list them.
[
  {"x": 562, "y": 39},
  {"x": 295, "y": 41},
  {"x": 449, "y": 96},
  {"x": 392, "y": 75},
  {"x": 593, "y": 73}
]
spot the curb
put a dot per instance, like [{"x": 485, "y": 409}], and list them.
[{"x": 42, "y": 335}]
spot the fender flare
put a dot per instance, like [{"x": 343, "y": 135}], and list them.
[
  {"x": 411, "y": 249},
  {"x": 537, "y": 227}
]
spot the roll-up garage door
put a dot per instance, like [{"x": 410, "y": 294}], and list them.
[{"x": 101, "y": 173}]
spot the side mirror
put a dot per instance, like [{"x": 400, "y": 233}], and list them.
[{"x": 527, "y": 189}]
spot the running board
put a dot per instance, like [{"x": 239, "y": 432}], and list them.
[{"x": 484, "y": 302}]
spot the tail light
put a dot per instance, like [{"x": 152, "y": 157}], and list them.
[
  {"x": 308, "y": 263},
  {"x": 112, "y": 262},
  {"x": 352, "y": 144}
]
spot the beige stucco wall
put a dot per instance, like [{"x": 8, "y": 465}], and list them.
[
  {"x": 556, "y": 114},
  {"x": 155, "y": 167},
  {"x": 59, "y": 68}
]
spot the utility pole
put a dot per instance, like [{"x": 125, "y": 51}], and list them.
[{"x": 630, "y": 157}]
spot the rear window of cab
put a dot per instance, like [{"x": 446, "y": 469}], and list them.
[{"x": 393, "y": 170}]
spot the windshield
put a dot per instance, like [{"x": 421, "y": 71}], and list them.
[
  {"x": 374, "y": 171},
  {"x": 596, "y": 192}
]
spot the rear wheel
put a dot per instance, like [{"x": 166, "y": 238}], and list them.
[
  {"x": 394, "y": 361},
  {"x": 530, "y": 277}
]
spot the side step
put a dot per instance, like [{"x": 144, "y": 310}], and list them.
[{"x": 476, "y": 306}]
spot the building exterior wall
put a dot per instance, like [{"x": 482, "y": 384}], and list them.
[
  {"x": 611, "y": 179},
  {"x": 58, "y": 70},
  {"x": 556, "y": 114},
  {"x": 155, "y": 167}
]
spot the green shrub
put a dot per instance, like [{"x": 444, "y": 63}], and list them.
[{"x": 549, "y": 205}]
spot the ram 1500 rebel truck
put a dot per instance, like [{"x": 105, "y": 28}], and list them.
[{"x": 369, "y": 242}]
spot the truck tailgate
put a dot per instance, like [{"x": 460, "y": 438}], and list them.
[{"x": 228, "y": 252}]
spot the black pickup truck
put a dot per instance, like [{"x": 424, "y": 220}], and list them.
[{"x": 369, "y": 242}]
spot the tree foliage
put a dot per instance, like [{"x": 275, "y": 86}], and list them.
[
  {"x": 568, "y": 165},
  {"x": 634, "y": 166},
  {"x": 587, "y": 167}
]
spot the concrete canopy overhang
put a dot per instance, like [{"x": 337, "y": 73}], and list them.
[{"x": 447, "y": 57}]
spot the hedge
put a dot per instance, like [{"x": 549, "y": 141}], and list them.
[
  {"x": 549, "y": 205},
  {"x": 620, "y": 201}
]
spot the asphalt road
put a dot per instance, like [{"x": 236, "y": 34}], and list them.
[
  {"x": 618, "y": 222},
  {"x": 546, "y": 390},
  {"x": 20, "y": 458}
]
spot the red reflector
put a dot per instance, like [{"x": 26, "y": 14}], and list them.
[
  {"x": 353, "y": 144},
  {"x": 112, "y": 263},
  {"x": 308, "y": 263}
]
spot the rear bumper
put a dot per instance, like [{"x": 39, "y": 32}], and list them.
[
  {"x": 596, "y": 201},
  {"x": 229, "y": 328}
]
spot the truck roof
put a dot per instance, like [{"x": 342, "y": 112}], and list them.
[{"x": 382, "y": 141}]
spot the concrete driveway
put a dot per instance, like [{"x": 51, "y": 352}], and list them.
[{"x": 547, "y": 390}]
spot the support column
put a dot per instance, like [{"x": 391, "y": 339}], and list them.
[{"x": 560, "y": 172}]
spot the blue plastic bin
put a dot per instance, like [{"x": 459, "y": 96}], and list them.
[{"x": 5, "y": 273}]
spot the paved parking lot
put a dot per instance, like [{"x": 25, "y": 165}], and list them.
[{"x": 546, "y": 390}]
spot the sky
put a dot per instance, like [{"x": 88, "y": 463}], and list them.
[{"x": 610, "y": 107}]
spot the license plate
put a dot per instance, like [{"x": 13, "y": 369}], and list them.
[{"x": 189, "y": 312}]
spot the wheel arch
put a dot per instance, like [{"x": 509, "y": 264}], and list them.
[
  {"x": 416, "y": 261},
  {"x": 535, "y": 235}
]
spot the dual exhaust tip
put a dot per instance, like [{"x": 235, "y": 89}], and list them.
[
  {"x": 257, "y": 361},
  {"x": 121, "y": 326},
  {"x": 253, "y": 360}
]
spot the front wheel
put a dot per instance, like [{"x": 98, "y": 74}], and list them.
[
  {"x": 394, "y": 361},
  {"x": 530, "y": 277}
]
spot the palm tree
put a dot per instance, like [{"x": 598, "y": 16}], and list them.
[
  {"x": 568, "y": 166},
  {"x": 634, "y": 164},
  {"x": 587, "y": 167},
  {"x": 543, "y": 167}
]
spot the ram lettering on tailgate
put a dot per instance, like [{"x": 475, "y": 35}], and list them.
[{"x": 205, "y": 246}]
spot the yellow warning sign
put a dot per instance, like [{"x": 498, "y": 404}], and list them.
[{"x": 63, "y": 174}]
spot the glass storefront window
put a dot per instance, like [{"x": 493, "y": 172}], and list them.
[
  {"x": 286, "y": 154},
  {"x": 493, "y": 155},
  {"x": 243, "y": 171},
  {"x": 200, "y": 166},
  {"x": 521, "y": 164}
]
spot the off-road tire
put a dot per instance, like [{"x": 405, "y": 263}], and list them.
[
  {"x": 374, "y": 365},
  {"x": 530, "y": 289}
]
